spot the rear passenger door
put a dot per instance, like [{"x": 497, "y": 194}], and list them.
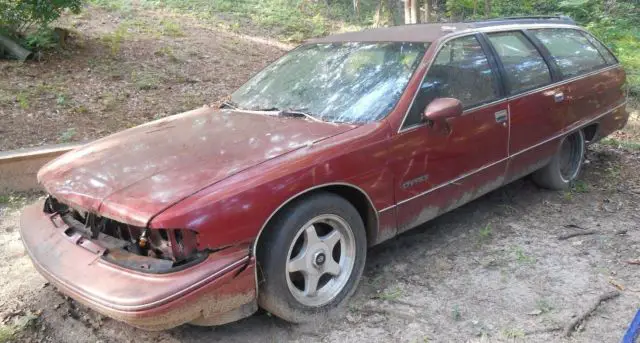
[{"x": 537, "y": 112}]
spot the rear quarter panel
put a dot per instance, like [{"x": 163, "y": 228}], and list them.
[{"x": 594, "y": 95}]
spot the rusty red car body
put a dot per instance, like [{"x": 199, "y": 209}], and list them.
[{"x": 224, "y": 174}]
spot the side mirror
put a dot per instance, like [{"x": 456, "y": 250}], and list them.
[{"x": 442, "y": 108}]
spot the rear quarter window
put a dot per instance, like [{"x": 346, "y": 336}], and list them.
[
  {"x": 608, "y": 56},
  {"x": 572, "y": 51}
]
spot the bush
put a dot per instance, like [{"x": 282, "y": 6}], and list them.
[{"x": 17, "y": 16}]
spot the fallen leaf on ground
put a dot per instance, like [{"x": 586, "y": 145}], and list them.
[{"x": 616, "y": 284}]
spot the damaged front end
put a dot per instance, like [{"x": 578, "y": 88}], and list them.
[
  {"x": 131, "y": 247},
  {"x": 153, "y": 279}
]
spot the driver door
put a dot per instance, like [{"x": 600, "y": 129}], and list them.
[{"x": 441, "y": 165}]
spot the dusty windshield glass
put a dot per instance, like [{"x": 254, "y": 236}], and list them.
[{"x": 337, "y": 82}]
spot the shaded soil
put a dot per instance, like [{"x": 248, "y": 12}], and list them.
[
  {"x": 491, "y": 271},
  {"x": 119, "y": 70}
]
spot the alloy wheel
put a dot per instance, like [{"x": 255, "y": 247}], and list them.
[{"x": 320, "y": 260}]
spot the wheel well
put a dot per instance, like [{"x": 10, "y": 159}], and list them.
[
  {"x": 355, "y": 196},
  {"x": 361, "y": 202},
  {"x": 590, "y": 132}
]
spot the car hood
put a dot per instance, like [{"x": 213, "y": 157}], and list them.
[{"x": 133, "y": 175}]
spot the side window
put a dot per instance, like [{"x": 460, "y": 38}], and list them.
[
  {"x": 460, "y": 70},
  {"x": 572, "y": 51},
  {"x": 608, "y": 56},
  {"x": 524, "y": 66}
]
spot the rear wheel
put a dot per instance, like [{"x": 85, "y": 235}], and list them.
[
  {"x": 565, "y": 165},
  {"x": 311, "y": 258}
]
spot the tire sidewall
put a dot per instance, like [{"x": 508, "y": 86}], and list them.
[
  {"x": 557, "y": 169},
  {"x": 274, "y": 294}
]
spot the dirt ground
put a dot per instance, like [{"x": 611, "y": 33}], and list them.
[
  {"x": 120, "y": 69},
  {"x": 491, "y": 271}
]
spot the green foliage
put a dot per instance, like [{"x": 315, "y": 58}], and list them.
[
  {"x": 68, "y": 135},
  {"x": 115, "y": 39},
  {"x": 455, "y": 313},
  {"x": 390, "y": 295},
  {"x": 42, "y": 39},
  {"x": 616, "y": 23},
  {"x": 17, "y": 16},
  {"x": 522, "y": 257},
  {"x": 628, "y": 145}
]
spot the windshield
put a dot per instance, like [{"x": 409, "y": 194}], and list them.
[{"x": 337, "y": 82}]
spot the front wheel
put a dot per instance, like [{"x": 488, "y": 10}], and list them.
[
  {"x": 311, "y": 258},
  {"x": 565, "y": 165}
]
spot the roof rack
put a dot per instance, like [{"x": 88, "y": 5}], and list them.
[{"x": 527, "y": 19}]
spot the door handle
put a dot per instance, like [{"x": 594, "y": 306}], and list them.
[
  {"x": 558, "y": 97},
  {"x": 502, "y": 116}
]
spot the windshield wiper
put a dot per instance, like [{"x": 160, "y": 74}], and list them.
[
  {"x": 291, "y": 112},
  {"x": 229, "y": 104}
]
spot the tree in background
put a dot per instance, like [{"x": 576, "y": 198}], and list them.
[
  {"x": 27, "y": 21},
  {"x": 416, "y": 11}
]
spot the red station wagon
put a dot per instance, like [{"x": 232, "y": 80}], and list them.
[{"x": 273, "y": 199}]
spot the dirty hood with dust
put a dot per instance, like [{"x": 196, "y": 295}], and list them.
[{"x": 152, "y": 166}]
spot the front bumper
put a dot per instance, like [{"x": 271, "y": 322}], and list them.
[{"x": 218, "y": 290}]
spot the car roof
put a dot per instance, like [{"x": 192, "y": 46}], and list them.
[{"x": 432, "y": 32}]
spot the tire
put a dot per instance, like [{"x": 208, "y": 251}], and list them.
[
  {"x": 565, "y": 165},
  {"x": 287, "y": 262}
]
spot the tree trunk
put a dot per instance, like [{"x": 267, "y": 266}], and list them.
[
  {"x": 428, "y": 9},
  {"x": 414, "y": 11},
  {"x": 487, "y": 8},
  {"x": 475, "y": 8},
  {"x": 392, "y": 7},
  {"x": 356, "y": 7},
  {"x": 12, "y": 48},
  {"x": 407, "y": 11},
  {"x": 385, "y": 13}
]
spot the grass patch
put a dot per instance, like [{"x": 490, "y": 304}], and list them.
[
  {"x": 290, "y": 20},
  {"x": 390, "y": 295},
  {"x": 68, "y": 135},
  {"x": 171, "y": 28},
  {"x": 23, "y": 100},
  {"x": 145, "y": 81},
  {"x": 619, "y": 144},
  {"x": 579, "y": 186},
  {"x": 485, "y": 233},
  {"x": 114, "y": 5},
  {"x": 7, "y": 333},
  {"x": 13, "y": 201},
  {"x": 455, "y": 313},
  {"x": 543, "y": 306},
  {"x": 115, "y": 39},
  {"x": 522, "y": 257},
  {"x": 167, "y": 51},
  {"x": 512, "y": 333}
]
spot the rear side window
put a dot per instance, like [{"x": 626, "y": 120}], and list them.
[
  {"x": 523, "y": 64},
  {"x": 572, "y": 52},
  {"x": 461, "y": 70}
]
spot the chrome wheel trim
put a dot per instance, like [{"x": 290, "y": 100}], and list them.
[
  {"x": 571, "y": 152},
  {"x": 320, "y": 260}
]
